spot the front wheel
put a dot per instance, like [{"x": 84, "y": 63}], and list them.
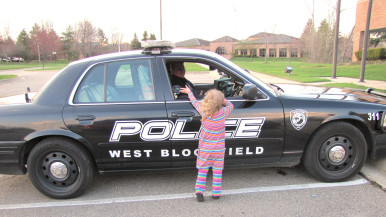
[
  {"x": 60, "y": 168},
  {"x": 336, "y": 152}
]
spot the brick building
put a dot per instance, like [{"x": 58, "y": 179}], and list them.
[
  {"x": 377, "y": 21},
  {"x": 276, "y": 45},
  {"x": 195, "y": 43},
  {"x": 273, "y": 45}
]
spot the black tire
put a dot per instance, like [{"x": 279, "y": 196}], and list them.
[
  {"x": 336, "y": 152},
  {"x": 60, "y": 168}
]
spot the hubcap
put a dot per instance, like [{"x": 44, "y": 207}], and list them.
[
  {"x": 58, "y": 170},
  {"x": 337, "y": 154}
]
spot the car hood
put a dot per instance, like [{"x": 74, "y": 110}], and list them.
[{"x": 319, "y": 92}]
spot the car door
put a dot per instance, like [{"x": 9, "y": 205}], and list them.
[
  {"x": 254, "y": 129},
  {"x": 119, "y": 109}
]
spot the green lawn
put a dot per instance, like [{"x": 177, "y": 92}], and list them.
[
  {"x": 54, "y": 65},
  {"x": 7, "y": 76},
  {"x": 308, "y": 72}
]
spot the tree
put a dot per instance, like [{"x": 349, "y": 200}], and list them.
[
  {"x": 145, "y": 37},
  {"x": 44, "y": 41},
  {"x": 135, "y": 44},
  {"x": 22, "y": 46},
  {"x": 7, "y": 45},
  {"x": 376, "y": 38},
  {"x": 324, "y": 43},
  {"x": 307, "y": 39},
  {"x": 69, "y": 44},
  {"x": 101, "y": 37},
  {"x": 86, "y": 35},
  {"x": 152, "y": 37}
]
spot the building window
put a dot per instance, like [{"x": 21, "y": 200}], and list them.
[
  {"x": 244, "y": 52},
  {"x": 262, "y": 52},
  {"x": 221, "y": 50},
  {"x": 272, "y": 52},
  {"x": 294, "y": 52},
  {"x": 283, "y": 52},
  {"x": 253, "y": 52},
  {"x": 236, "y": 52}
]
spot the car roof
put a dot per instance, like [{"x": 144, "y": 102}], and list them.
[{"x": 139, "y": 54}]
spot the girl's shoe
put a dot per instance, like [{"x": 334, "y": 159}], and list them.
[
  {"x": 216, "y": 197},
  {"x": 200, "y": 197}
]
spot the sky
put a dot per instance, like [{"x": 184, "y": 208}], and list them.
[{"x": 181, "y": 19}]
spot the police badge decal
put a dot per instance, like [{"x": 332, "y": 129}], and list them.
[{"x": 298, "y": 118}]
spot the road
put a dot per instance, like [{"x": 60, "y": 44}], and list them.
[{"x": 246, "y": 192}]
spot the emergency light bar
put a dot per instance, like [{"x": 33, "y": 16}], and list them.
[{"x": 154, "y": 47}]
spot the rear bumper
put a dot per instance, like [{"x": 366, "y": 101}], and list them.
[{"x": 11, "y": 158}]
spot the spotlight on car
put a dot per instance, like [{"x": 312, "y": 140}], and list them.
[{"x": 288, "y": 70}]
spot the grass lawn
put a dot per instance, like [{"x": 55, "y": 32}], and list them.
[
  {"x": 308, "y": 72},
  {"x": 7, "y": 76},
  {"x": 34, "y": 64}
]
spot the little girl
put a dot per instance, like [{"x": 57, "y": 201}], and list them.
[{"x": 211, "y": 146}]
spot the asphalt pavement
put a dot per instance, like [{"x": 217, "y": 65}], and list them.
[{"x": 374, "y": 170}]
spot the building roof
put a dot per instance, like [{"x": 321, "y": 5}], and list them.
[
  {"x": 226, "y": 39},
  {"x": 271, "y": 38},
  {"x": 193, "y": 42},
  {"x": 260, "y": 34}
]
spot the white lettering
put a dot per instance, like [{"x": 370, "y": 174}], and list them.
[
  {"x": 179, "y": 135},
  {"x": 230, "y": 151},
  {"x": 249, "y": 128},
  {"x": 174, "y": 153},
  {"x": 247, "y": 151},
  {"x": 147, "y": 152},
  {"x": 186, "y": 152},
  {"x": 159, "y": 130},
  {"x": 164, "y": 153},
  {"x": 126, "y": 128},
  {"x": 259, "y": 150},
  {"x": 115, "y": 153},
  {"x": 239, "y": 151},
  {"x": 126, "y": 153},
  {"x": 164, "y": 127},
  {"x": 137, "y": 153}
]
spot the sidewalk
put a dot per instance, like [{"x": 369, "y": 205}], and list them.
[
  {"x": 366, "y": 83},
  {"x": 374, "y": 170}
]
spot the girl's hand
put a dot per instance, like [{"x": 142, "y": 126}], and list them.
[{"x": 185, "y": 90}]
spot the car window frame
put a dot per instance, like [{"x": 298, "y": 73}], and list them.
[
  {"x": 208, "y": 61},
  {"x": 158, "y": 97}
]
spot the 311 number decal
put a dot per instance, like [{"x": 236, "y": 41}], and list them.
[{"x": 373, "y": 116}]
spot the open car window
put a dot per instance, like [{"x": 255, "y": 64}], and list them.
[{"x": 205, "y": 77}]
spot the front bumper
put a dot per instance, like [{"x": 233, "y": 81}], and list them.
[{"x": 11, "y": 158}]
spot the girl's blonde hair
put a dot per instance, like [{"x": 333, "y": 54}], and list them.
[{"x": 212, "y": 102}]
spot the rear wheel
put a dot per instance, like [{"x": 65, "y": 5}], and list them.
[
  {"x": 60, "y": 168},
  {"x": 336, "y": 152}
]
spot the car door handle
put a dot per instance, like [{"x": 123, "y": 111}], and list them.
[
  {"x": 85, "y": 117},
  {"x": 182, "y": 114}
]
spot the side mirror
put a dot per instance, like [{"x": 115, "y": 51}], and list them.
[{"x": 250, "y": 91}]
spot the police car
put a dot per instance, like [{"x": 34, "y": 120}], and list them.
[{"x": 119, "y": 112}]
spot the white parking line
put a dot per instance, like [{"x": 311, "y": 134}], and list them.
[{"x": 178, "y": 196}]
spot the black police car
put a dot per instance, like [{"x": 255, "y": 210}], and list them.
[{"x": 119, "y": 112}]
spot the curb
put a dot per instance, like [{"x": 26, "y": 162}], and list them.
[{"x": 375, "y": 170}]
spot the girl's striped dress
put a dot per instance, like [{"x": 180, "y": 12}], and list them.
[{"x": 211, "y": 147}]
